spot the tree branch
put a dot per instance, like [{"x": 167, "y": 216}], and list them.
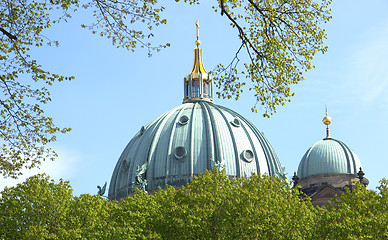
[
  {"x": 9, "y": 35},
  {"x": 242, "y": 35}
]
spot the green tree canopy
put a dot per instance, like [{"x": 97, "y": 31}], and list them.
[
  {"x": 211, "y": 206},
  {"x": 42, "y": 209},
  {"x": 36, "y": 209},
  {"x": 356, "y": 214}
]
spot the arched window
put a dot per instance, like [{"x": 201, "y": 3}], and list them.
[
  {"x": 186, "y": 89},
  {"x": 205, "y": 89},
  {"x": 195, "y": 88}
]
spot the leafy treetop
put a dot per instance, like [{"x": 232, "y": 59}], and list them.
[{"x": 211, "y": 206}]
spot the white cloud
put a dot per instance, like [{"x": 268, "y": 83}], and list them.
[{"x": 63, "y": 167}]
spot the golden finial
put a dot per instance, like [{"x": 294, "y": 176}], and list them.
[
  {"x": 327, "y": 120},
  {"x": 198, "y": 65},
  {"x": 197, "y": 25}
]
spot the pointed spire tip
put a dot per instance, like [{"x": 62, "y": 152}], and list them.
[
  {"x": 197, "y": 42},
  {"x": 327, "y": 120}
]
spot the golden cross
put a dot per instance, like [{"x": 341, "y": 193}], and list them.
[{"x": 197, "y": 24}]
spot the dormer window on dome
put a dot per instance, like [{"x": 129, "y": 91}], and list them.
[{"x": 197, "y": 85}]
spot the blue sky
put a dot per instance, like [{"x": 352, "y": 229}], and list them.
[{"x": 116, "y": 92}]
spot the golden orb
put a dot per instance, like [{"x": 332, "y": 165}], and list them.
[
  {"x": 326, "y": 120},
  {"x": 197, "y": 42}
]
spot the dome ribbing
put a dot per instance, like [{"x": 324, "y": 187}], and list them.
[
  {"x": 186, "y": 141},
  {"x": 328, "y": 156}
]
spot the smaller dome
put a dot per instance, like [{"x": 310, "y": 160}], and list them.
[{"x": 328, "y": 156}]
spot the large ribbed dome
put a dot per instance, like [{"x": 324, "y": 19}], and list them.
[
  {"x": 186, "y": 141},
  {"x": 328, "y": 156},
  {"x": 190, "y": 138}
]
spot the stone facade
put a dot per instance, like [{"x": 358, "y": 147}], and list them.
[{"x": 322, "y": 188}]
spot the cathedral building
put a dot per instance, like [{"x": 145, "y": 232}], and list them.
[
  {"x": 190, "y": 138},
  {"x": 199, "y": 135}
]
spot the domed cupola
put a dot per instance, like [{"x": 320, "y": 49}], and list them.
[
  {"x": 328, "y": 156},
  {"x": 329, "y": 163},
  {"x": 197, "y": 83},
  {"x": 191, "y": 138}
]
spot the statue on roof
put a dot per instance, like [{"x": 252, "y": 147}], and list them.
[
  {"x": 101, "y": 190},
  {"x": 140, "y": 180}
]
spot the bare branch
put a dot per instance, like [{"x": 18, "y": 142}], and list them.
[{"x": 9, "y": 35}]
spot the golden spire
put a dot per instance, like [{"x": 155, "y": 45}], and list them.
[
  {"x": 198, "y": 65},
  {"x": 197, "y": 84},
  {"x": 327, "y": 120}
]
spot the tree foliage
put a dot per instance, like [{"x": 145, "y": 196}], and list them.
[
  {"x": 128, "y": 23},
  {"x": 359, "y": 214},
  {"x": 24, "y": 83},
  {"x": 214, "y": 207},
  {"x": 24, "y": 128},
  {"x": 279, "y": 37},
  {"x": 36, "y": 209},
  {"x": 211, "y": 206},
  {"x": 42, "y": 209}
]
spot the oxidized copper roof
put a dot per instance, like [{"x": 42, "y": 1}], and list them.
[
  {"x": 328, "y": 156},
  {"x": 186, "y": 141}
]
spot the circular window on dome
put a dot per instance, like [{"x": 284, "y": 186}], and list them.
[
  {"x": 183, "y": 120},
  {"x": 180, "y": 153},
  {"x": 236, "y": 122},
  {"x": 247, "y": 155}
]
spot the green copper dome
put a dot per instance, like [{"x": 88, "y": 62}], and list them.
[
  {"x": 328, "y": 156},
  {"x": 186, "y": 141},
  {"x": 190, "y": 138}
]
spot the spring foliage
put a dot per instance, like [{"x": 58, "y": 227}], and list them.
[
  {"x": 211, "y": 206},
  {"x": 280, "y": 39},
  {"x": 24, "y": 128}
]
